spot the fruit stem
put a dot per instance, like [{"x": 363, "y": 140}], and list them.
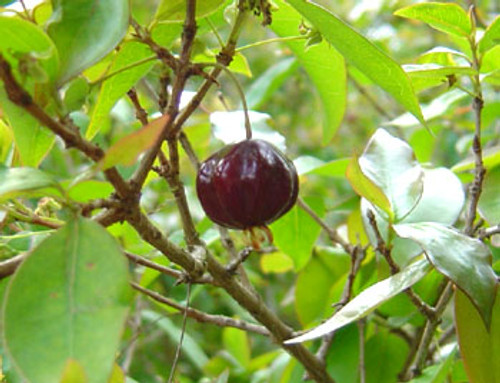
[{"x": 248, "y": 127}]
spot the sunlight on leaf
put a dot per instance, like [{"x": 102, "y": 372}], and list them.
[
  {"x": 465, "y": 260},
  {"x": 368, "y": 300},
  {"x": 19, "y": 181}
]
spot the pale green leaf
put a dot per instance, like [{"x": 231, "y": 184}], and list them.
[
  {"x": 368, "y": 300},
  {"x": 317, "y": 60},
  {"x": 6, "y": 140},
  {"x": 126, "y": 150},
  {"x": 67, "y": 300},
  {"x": 390, "y": 163},
  {"x": 19, "y": 181},
  {"x": 175, "y": 10},
  {"x": 445, "y": 17},
  {"x": 335, "y": 168},
  {"x": 436, "y": 108},
  {"x": 385, "y": 355},
  {"x": 296, "y": 232},
  {"x": 117, "y": 86},
  {"x": 367, "y": 189},
  {"x": 84, "y": 31},
  {"x": 236, "y": 342},
  {"x": 73, "y": 372},
  {"x": 275, "y": 262},
  {"x": 361, "y": 53},
  {"x": 23, "y": 41},
  {"x": 479, "y": 348},
  {"x": 264, "y": 87},
  {"x": 491, "y": 36},
  {"x": 491, "y": 159},
  {"x": 465, "y": 260},
  {"x": 489, "y": 202}
]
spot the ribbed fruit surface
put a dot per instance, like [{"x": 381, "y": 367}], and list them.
[{"x": 247, "y": 184}]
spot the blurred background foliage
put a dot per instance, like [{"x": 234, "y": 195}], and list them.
[{"x": 279, "y": 87}]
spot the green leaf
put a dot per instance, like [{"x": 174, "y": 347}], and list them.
[
  {"x": 390, "y": 163},
  {"x": 73, "y": 372},
  {"x": 368, "y": 300},
  {"x": 76, "y": 94},
  {"x": 19, "y": 181},
  {"x": 118, "y": 85},
  {"x": 335, "y": 168},
  {"x": 275, "y": 262},
  {"x": 32, "y": 140},
  {"x": 437, "y": 373},
  {"x": 385, "y": 355},
  {"x": 491, "y": 159},
  {"x": 466, "y": 261},
  {"x": 343, "y": 358},
  {"x": 85, "y": 31},
  {"x": 436, "y": 108},
  {"x": 445, "y": 17},
  {"x": 366, "y": 188},
  {"x": 362, "y": 54},
  {"x": 6, "y": 141},
  {"x": 296, "y": 232},
  {"x": 264, "y": 87},
  {"x": 67, "y": 300},
  {"x": 427, "y": 75},
  {"x": 175, "y": 10},
  {"x": 312, "y": 290},
  {"x": 23, "y": 41},
  {"x": 190, "y": 347},
  {"x": 479, "y": 348},
  {"x": 317, "y": 61},
  {"x": 236, "y": 342},
  {"x": 491, "y": 36},
  {"x": 490, "y": 197},
  {"x": 126, "y": 150}
]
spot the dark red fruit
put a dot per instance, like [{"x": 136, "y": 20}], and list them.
[{"x": 247, "y": 184}]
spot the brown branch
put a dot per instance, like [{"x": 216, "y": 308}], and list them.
[
  {"x": 166, "y": 270},
  {"x": 426, "y": 310},
  {"x": 200, "y": 316},
  {"x": 19, "y": 96}
]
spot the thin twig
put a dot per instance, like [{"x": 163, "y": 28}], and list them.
[
  {"x": 202, "y": 317},
  {"x": 183, "y": 331}
]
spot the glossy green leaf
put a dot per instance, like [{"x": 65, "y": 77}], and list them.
[
  {"x": 385, "y": 354},
  {"x": 491, "y": 36},
  {"x": 264, "y": 87},
  {"x": 118, "y": 85},
  {"x": 175, "y": 10},
  {"x": 367, "y": 189},
  {"x": 316, "y": 60},
  {"x": 446, "y": 17},
  {"x": 84, "y": 31},
  {"x": 190, "y": 348},
  {"x": 314, "y": 282},
  {"x": 479, "y": 348},
  {"x": 236, "y": 342},
  {"x": 78, "y": 312},
  {"x": 368, "y": 300},
  {"x": 126, "y": 150},
  {"x": 364, "y": 55},
  {"x": 23, "y": 41},
  {"x": 390, "y": 163},
  {"x": 489, "y": 201},
  {"x": 19, "y": 181},
  {"x": 296, "y": 232},
  {"x": 466, "y": 261},
  {"x": 436, "y": 108}
]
